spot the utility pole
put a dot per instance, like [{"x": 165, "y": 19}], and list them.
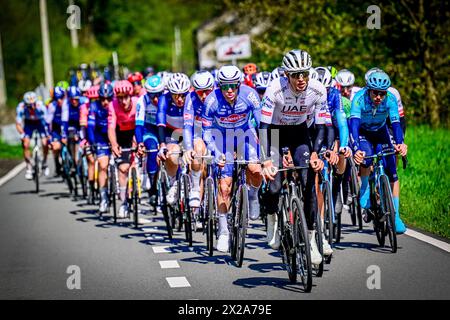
[
  {"x": 73, "y": 29},
  {"x": 48, "y": 69},
  {"x": 116, "y": 65},
  {"x": 2, "y": 78},
  {"x": 177, "y": 66}
]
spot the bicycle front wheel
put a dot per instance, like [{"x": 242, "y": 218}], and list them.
[
  {"x": 163, "y": 181},
  {"x": 242, "y": 225},
  {"x": 186, "y": 210},
  {"x": 135, "y": 196},
  {"x": 288, "y": 250},
  {"x": 113, "y": 191},
  {"x": 36, "y": 170},
  {"x": 301, "y": 242},
  {"x": 209, "y": 207},
  {"x": 389, "y": 212},
  {"x": 328, "y": 212}
]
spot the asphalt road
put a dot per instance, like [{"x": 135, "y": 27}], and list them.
[{"x": 41, "y": 236}]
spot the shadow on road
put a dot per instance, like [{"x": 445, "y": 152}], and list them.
[
  {"x": 15, "y": 193},
  {"x": 281, "y": 283}
]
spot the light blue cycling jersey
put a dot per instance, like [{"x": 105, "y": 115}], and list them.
[
  {"x": 145, "y": 111},
  {"x": 335, "y": 107},
  {"x": 192, "y": 128},
  {"x": 230, "y": 121}
]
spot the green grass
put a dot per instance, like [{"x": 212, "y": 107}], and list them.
[
  {"x": 425, "y": 184},
  {"x": 10, "y": 152}
]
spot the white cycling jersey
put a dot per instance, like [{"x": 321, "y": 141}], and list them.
[
  {"x": 355, "y": 89},
  {"x": 281, "y": 106},
  {"x": 399, "y": 100}
]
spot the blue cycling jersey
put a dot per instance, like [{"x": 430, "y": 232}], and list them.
[
  {"x": 192, "y": 127},
  {"x": 27, "y": 114},
  {"x": 220, "y": 115},
  {"x": 335, "y": 106},
  {"x": 97, "y": 123},
  {"x": 146, "y": 113},
  {"x": 169, "y": 116},
  {"x": 55, "y": 116},
  {"x": 365, "y": 115}
]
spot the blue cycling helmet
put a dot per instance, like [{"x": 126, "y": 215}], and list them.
[
  {"x": 378, "y": 80},
  {"x": 106, "y": 90},
  {"x": 59, "y": 93},
  {"x": 73, "y": 92},
  {"x": 154, "y": 84}
]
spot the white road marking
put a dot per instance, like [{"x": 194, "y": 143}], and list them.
[
  {"x": 161, "y": 249},
  {"x": 169, "y": 264},
  {"x": 14, "y": 172},
  {"x": 178, "y": 282},
  {"x": 437, "y": 243}
]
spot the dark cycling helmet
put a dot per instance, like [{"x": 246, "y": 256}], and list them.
[
  {"x": 378, "y": 80},
  {"x": 59, "y": 93},
  {"x": 73, "y": 92},
  {"x": 106, "y": 91}
]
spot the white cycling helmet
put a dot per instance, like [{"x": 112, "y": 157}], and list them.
[
  {"x": 345, "y": 78},
  {"x": 202, "y": 80},
  {"x": 30, "y": 97},
  {"x": 84, "y": 85},
  {"x": 229, "y": 74},
  {"x": 324, "y": 76},
  {"x": 370, "y": 71},
  {"x": 296, "y": 61},
  {"x": 261, "y": 80},
  {"x": 313, "y": 74},
  {"x": 179, "y": 83}
]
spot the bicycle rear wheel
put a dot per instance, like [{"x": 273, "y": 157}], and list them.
[
  {"x": 302, "y": 245},
  {"x": 135, "y": 197},
  {"x": 389, "y": 212},
  {"x": 112, "y": 190},
  {"x": 242, "y": 225},
  {"x": 328, "y": 212},
  {"x": 319, "y": 240},
  {"x": 209, "y": 216},
  {"x": 356, "y": 206},
  {"x": 287, "y": 248}
]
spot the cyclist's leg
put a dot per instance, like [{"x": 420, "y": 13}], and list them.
[
  {"x": 223, "y": 202},
  {"x": 56, "y": 150},
  {"x": 26, "y": 145},
  {"x": 151, "y": 143},
  {"x": 103, "y": 162}
]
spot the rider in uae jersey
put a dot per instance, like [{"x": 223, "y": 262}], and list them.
[
  {"x": 220, "y": 119},
  {"x": 192, "y": 128},
  {"x": 169, "y": 116},
  {"x": 281, "y": 106}
]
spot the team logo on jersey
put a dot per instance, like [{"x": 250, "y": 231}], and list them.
[
  {"x": 188, "y": 116},
  {"x": 294, "y": 110},
  {"x": 233, "y": 118}
]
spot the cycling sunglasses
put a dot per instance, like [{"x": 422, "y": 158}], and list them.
[
  {"x": 106, "y": 98},
  {"x": 202, "y": 92},
  {"x": 297, "y": 75},
  {"x": 376, "y": 93},
  {"x": 176, "y": 96},
  {"x": 261, "y": 90},
  {"x": 154, "y": 95},
  {"x": 232, "y": 86},
  {"x": 137, "y": 83}
]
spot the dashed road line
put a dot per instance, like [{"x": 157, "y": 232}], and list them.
[
  {"x": 169, "y": 264},
  {"x": 178, "y": 282},
  {"x": 161, "y": 249}
]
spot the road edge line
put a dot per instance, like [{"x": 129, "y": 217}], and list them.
[
  {"x": 11, "y": 174},
  {"x": 430, "y": 240}
]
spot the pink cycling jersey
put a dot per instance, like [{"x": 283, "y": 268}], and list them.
[{"x": 125, "y": 121}]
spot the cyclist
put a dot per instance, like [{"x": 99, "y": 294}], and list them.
[
  {"x": 97, "y": 132},
  {"x": 31, "y": 115},
  {"x": 249, "y": 70},
  {"x": 55, "y": 111},
  {"x": 136, "y": 80},
  {"x": 203, "y": 83},
  {"x": 286, "y": 107},
  {"x": 146, "y": 129},
  {"x": 368, "y": 133},
  {"x": 121, "y": 128},
  {"x": 71, "y": 121},
  {"x": 261, "y": 81},
  {"x": 397, "y": 96},
  {"x": 346, "y": 81},
  {"x": 92, "y": 94},
  {"x": 170, "y": 126},
  {"x": 339, "y": 123},
  {"x": 84, "y": 86},
  {"x": 227, "y": 127}
]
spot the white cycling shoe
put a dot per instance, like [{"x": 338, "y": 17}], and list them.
[
  {"x": 29, "y": 174},
  {"x": 46, "y": 170},
  {"x": 327, "y": 250},
  {"x": 194, "y": 199},
  {"x": 123, "y": 211},
  {"x": 223, "y": 242},
  {"x": 273, "y": 238},
  {"x": 254, "y": 209},
  {"x": 316, "y": 257},
  {"x": 103, "y": 206},
  {"x": 172, "y": 194}
]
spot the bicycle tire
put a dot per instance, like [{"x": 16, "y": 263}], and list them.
[
  {"x": 113, "y": 191},
  {"x": 187, "y": 210},
  {"x": 302, "y": 245},
  {"x": 210, "y": 216},
  {"x": 36, "y": 170},
  {"x": 135, "y": 197},
  {"x": 355, "y": 201},
  {"x": 242, "y": 225},
  {"x": 378, "y": 225},
  {"x": 319, "y": 240},
  {"x": 338, "y": 228},
  {"x": 83, "y": 178},
  {"x": 164, "y": 205},
  {"x": 67, "y": 166},
  {"x": 328, "y": 213},
  {"x": 287, "y": 248},
  {"x": 389, "y": 211}
]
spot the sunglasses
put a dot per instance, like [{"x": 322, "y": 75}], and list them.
[
  {"x": 137, "y": 83},
  {"x": 177, "y": 96},
  {"x": 261, "y": 90},
  {"x": 106, "y": 99},
  {"x": 297, "y": 75},
  {"x": 123, "y": 97},
  {"x": 376, "y": 93},
  {"x": 205, "y": 91},
  {"x": 154, "y": 95},
  {"x": 346, "y": 87},
  {"x": 232, "y": 86}
]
